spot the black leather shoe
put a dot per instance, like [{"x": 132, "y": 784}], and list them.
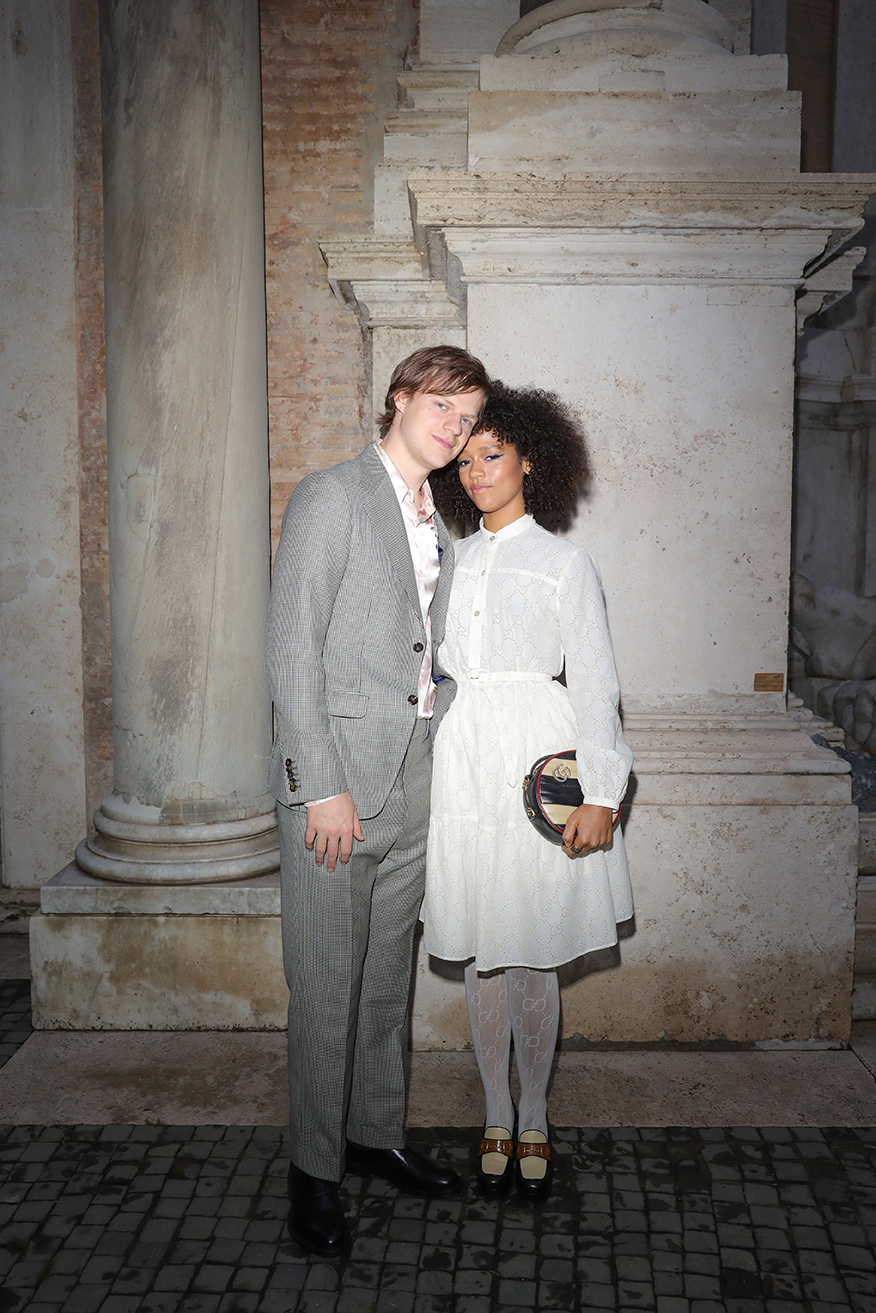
[
  {"x": 496, "y": 1143},
  {"x": 411, "y": 1171},
  {"x": 316, "y": 1218},
  {"x": 533, "y": 1182}
]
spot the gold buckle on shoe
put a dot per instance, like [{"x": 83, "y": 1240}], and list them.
[
  {"x": 527, "y": 1150},
  {"x": 505, "y": 1147}
]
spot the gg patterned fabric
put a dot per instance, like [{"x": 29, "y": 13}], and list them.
[{"x": 524, "y": 606}]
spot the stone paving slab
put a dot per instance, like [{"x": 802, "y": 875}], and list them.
[
  {"x": 154, "y": 1219},
  {"x": 239, "y": 1078}
]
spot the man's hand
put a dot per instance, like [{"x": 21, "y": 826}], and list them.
[
  {"x": 588, "y": 827},
  {"x": 331, "y": 828}
]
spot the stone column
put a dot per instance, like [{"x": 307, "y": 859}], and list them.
[{"x": 187, "y": 435}]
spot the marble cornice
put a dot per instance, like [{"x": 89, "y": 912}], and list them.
[
  {"x": 732, "y": 758},
  {"x": 404, "y": 303},
  {"x": 470, "y": 228},
  {"x": 362, "y": 255},
  {"x": 739, "y": 257},
  {"x": 851, "y": 400},
  {"x": 457, "y": 198},
  {"x": 384, "y": 282}
]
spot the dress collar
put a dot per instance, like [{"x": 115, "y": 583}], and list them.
[{"x": 511, "y": 530}]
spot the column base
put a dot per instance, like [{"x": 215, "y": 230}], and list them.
[{"x": 130, "y": 844}]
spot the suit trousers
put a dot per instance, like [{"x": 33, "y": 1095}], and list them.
[{"x": 348, "y": 953}]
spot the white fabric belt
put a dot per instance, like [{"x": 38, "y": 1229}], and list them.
[
  {"x": 495, "y": 676},
  {"x": 507, "y": 732}
]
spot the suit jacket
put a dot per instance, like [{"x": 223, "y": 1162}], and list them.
[{"x": 345, "y": 637}]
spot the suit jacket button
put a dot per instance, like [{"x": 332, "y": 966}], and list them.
[
  {"x": 413, "y": 699},
  {"x": 418, "y": 647}
]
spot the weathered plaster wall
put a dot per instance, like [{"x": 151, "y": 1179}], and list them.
[
  {"x": 328, "y": 79},
  {"x": 41, "y": 724}
]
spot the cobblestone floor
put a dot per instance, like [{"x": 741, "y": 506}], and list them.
[
  {"x": 124, "y": 1219},
  {"x": 15, "y": 1024},
  {"x": 155, "y": 1219}
]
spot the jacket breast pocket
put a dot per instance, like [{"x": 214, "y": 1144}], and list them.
[{"x": 340, "y": 702}]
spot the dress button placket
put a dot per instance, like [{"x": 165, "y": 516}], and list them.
[{"x": 476, "y": 632}]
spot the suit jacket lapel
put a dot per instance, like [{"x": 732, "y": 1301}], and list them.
[
  {"x": 386, "y": 516},
  {"x": 438, "y": 609}
]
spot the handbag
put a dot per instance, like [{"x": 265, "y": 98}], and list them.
[{"x": 551, "y": 793}]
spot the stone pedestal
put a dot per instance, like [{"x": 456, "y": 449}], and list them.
[
  {"x": 631, "y": 229},
  {"x": 158, "y": 957},
  {"x": 189, "y": 531}
]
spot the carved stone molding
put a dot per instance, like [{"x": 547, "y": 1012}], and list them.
[
  {"x": 383, "y": 281},
  {"x": 741, "y": 257},
  {"x": 609, "y": 24},
  {"x": 403, "y": 303},
  {"x": 827, "y": 282},
  {"x": 832, "y": 202}
]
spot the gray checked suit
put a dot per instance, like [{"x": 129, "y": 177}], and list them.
[{"x": 345, "y": 644}]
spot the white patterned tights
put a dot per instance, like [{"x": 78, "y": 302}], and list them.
[{"x": 527, "y": 1003}]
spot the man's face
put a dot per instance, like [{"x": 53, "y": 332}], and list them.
[{"x": 433, "y": 427}]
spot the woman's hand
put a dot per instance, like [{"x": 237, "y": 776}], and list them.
[{"x": 588, "y": 827}]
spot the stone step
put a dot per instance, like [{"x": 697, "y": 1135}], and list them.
[{"x": 436, "y": 89}]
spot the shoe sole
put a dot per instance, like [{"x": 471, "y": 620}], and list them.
[
  {"x": 321, "y": 1251},
  {"x": 416, "y": 1192}
]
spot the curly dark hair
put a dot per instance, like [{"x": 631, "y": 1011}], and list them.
[{"x": 542, "y": 430}]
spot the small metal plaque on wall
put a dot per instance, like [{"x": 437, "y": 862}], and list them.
[{"x": 769, "y": 683}]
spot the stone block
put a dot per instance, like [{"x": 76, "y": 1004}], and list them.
[
  {"x": 157, "y": 972},
  {"x": 744, "y": 932},
  {"x": 564, "y": 73},
  {"x": 436, "y": 90},
  {"x": 550, "y": 132},
  {"x": 451, "y": 33},
  {"x": 392, "y": 206},
  {"x": 867, "y": 846},
  {"x": 425, "y": 139}
]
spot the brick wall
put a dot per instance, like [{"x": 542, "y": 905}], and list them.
[{"x": 328, "y": 78}]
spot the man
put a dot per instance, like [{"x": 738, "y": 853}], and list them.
[{"x": 358, "y": 600}]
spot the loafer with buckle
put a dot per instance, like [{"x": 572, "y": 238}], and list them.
[
  {"x": 494, "y": 1172},
  {"x": 532, "y": 1179},
  {"x": 316, "y": 1219},
  {"x": 411, "y": 1171}
]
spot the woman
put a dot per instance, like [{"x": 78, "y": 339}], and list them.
[{"x": 525, "y": 607}]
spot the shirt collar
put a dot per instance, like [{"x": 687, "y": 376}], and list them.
[{"x": 404, "y": 493}]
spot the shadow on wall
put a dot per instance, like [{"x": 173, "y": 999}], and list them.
[{"x": 833, "y": 659}]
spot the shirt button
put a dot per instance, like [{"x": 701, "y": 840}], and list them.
[
  {"x": 412, "y": 698},
  {"x": 477, "y": 612},
  {"x": 418, "y": 647}
]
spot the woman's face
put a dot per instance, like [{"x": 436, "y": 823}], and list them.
[{"x": 492, "y": 473}]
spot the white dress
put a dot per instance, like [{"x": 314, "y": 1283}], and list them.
[{"x": 523, "y": 606}]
